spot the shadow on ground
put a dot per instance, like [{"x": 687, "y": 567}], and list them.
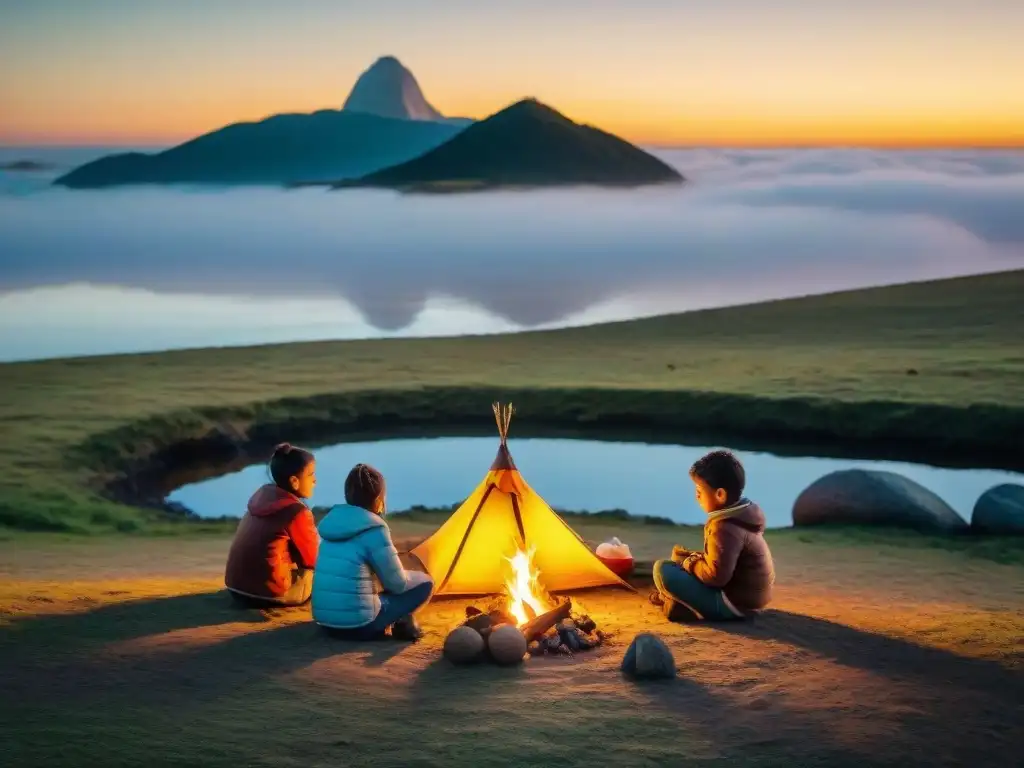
[
  {"x": 75, "y": 656},
  {"x": 124, "y": 620},
  {"x": 941, "y": 708},
  {"x": 782, "y": 689},
  {"x": 897, "y": 659}
]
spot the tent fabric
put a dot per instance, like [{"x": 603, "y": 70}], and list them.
[{"x": 468, "y": 555}]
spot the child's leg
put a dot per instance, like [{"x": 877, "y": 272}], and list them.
[
  {"x": 394, "y": 607},
  {"x": 298, "y": 593},
  {"x": 301, "y": 589},
  {"x": 703, "y": 601}
]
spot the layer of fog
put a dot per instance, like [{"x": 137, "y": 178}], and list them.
[{"x": 750, "y": 225}]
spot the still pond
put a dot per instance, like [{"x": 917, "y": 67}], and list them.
[{"x": 577, "y": 475}]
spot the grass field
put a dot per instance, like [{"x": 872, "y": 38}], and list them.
[
  {"x": 929, "y": 367},
  {"x": 881, "y": 648},
  {"x": 126, "y": 651}
]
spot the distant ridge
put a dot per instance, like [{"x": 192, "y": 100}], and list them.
[
  {"x": 525, "y": 144},
  {"x": 320, "y": 146}
]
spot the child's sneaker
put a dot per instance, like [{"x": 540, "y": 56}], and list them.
[
  {"x": 677, "y": 612},
  {"x": 406, "y": 629}
]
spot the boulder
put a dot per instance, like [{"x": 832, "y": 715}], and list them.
[
  {"x": 507, "y": 645},
  {"x": 874, "y": 497},
  {"x": 464, "y": 645},
  {"x": 648, "y": 658},
  {"x": 1000, "y": 510}
]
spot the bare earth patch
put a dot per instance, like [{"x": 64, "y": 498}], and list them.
[{"x": 870, "y": 657}]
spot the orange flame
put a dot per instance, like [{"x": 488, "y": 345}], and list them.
[{"x": 524, "y": 591}]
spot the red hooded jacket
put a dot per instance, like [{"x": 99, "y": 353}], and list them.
[{"x": 276, "y": 535}]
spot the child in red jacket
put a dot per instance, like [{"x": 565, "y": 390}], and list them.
[{"x": 274, "y": 551}]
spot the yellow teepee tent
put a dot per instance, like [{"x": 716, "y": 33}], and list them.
[{"x": 468, "y": 554}]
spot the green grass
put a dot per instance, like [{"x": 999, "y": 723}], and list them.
[{"x": 831, "y": 371}]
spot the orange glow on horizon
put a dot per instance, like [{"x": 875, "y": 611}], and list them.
[
  {"x": 894, "y": 131},
  {"x": 733, "y": 73}
]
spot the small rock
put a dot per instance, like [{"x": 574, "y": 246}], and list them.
[
  {"x": 586, "y": 624},
  {"x": 464, "y": 645},
  {"x": 1000, "y": 510},
  {"x": 569, "y": 639},
  {"x": 648, "y": 658},
  {"x": 507, "y": 645}
]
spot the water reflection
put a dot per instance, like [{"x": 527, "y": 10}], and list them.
[
  {"x": 305, "y": 264},
  {"x": 576, "y": 474}
]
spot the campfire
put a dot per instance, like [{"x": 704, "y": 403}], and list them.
[
  {"x": 526, "y": 598},
  {"x": 525, "y": 619}
]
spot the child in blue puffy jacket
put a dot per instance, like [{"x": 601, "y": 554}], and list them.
[{"x": 355, "y": 549}]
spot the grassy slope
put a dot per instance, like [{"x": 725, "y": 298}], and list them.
[{"x": 962, "y": 337}]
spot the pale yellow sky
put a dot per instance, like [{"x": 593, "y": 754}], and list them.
[{"x": 654, "y": 71}]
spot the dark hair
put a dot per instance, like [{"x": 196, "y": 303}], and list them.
[
  {"x": 288, "y": 461},
  {"x": 721, "y": 469},
  {"x": 363, "y": 486}
]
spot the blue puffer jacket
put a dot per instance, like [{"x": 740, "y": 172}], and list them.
[{"x": 355, "y": 545}]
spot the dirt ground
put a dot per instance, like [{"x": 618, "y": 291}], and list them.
[{"x": 870, "y": 656}]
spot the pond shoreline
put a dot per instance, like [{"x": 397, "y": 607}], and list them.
[
  {"x": 142, "y": 463},
  {"x": 926, "y": 371}
]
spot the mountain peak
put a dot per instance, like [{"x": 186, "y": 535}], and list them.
[
  {"x": 387, "y": 61},
  {"x": 533, "y": 107},
  {"x": 388, "y": 89},
  {"x": 527, "y": 144}
]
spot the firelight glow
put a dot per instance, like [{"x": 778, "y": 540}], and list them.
[
  {"x": 524, "y": 588},
  {"x": 893, "y": 73}
]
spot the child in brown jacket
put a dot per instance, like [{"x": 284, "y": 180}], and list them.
[{"x": 734, "y": 574}]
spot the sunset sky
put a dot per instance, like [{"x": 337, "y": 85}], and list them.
[{"x": 739, "y": 72}]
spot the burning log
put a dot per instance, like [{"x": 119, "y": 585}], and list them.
[
  {"x": 501, "y": 616},
  {"x": 539, "y": 625},
  {"x": 485, "y": 623}
]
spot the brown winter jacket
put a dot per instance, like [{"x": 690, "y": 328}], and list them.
[
  {"x": 736, "y": 558},
  {"x": 276, "y": 536}
]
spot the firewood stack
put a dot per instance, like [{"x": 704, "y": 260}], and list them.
[
  {"x": 557, "y": 632},
  {"x": 570, "y": 635}
]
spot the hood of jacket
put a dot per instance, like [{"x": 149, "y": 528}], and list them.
[
  {"x": 270, "y": 499},
  {"x": 744, "y": 511},
  {"x": 345, "y": 521}
]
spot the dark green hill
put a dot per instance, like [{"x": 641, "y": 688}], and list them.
[
  {"x": 526, "y": 144},
  {"x": 324, "y": 145}
]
